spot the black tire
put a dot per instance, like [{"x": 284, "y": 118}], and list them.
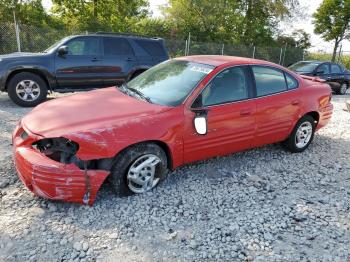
[
  {"x": 124, "y": 160},
  {"x": 291, "y": 143},
  {"x": 342, "y": 89},
  {"x": 27, "y": 76}
]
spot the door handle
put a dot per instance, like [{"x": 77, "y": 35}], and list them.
[
  {"x": 129, "y": 59},
  {"x": 246, "y": 112},
  {"x": 95, "y": 59},
  {"x": 295, "y": 102}
]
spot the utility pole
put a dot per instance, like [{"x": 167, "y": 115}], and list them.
[
  {"x": 188, "y": 43},
  {"x": 17, "y": 32}
]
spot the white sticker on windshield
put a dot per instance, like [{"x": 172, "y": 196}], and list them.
[{"x": 201, "y": 69}]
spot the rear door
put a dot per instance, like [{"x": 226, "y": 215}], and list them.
[
  {"x": 81, "y": 67},
  {"x": 277, "y": 104},
  {"x": 336, "y": 74},
  {"x": 154, "y": 49},
  {"x": 118, "y": 60},
  {"x": 230, "y": 116}
]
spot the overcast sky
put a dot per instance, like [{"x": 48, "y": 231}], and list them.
[{"x": 308, "y": 6}]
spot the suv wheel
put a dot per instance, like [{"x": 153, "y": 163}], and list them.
[
  {"x": 302, "y": 135},
  {"x": 138, "y": 169},
  {"x": 343, "y": 88},
  {"x": 27, "y": 89}
]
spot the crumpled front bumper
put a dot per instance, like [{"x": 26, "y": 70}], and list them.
[{"x": 50, "y": 179}]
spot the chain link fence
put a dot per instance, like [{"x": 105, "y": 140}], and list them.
[{"x": 35, "y": 39}]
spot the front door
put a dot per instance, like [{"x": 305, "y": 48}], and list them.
[
  {"x": 230, "y": 116},
  {"x": 323, "y": 71},
  {"x": 81, "y": 67},
  {"x": 277, "y": 104}
]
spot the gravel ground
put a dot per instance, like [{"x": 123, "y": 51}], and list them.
[{"x": 261, "y": 205}]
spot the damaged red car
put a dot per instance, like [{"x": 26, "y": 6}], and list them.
[{"x": 180, "y": 111}]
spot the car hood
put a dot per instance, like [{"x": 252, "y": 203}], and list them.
[
  {"x": 20, "y": 54},
  {"x": 303, "y": 73},
  {"x": 96, "y": 109}
]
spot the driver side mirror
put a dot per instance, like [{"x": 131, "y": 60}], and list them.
[
  {"x": 200, "y": 121},
  {"x": 200, "y": 124},
  {"x": 62, "y": 50}
]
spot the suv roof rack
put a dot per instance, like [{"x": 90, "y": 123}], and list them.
[{"x": 125, "y": 34}]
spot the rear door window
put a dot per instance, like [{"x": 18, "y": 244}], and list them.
[
  {"x": 153, "y": 48},
  {"x": 117, "y": 46},
  {"x": 335, "y": 69},
  {"x": 268, "y": 80}
]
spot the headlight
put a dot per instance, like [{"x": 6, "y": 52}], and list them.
[{"x": 59, "y": 149}]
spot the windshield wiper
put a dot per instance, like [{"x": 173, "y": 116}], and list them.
[{"x": 139, "y": 93}]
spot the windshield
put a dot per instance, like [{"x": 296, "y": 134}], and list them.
[
  {"x": 55, "y": 45},
  {"x": 170, "y": 82},
  {"x": 305, "y": 67}
]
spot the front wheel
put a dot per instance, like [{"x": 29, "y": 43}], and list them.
[
  {"x": 27, "y": 89},
  {"x": 302, "y": 135},
  {"x": 138, "y": 169}
]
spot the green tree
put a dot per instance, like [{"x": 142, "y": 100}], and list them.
[
  {"x": 206, "y": 20},
  {"x": 94, "y": 15},
  {"x": 27, "y": 12},
  {"x": 232, "y": 21},
  {"x": 298, "y": 39},
  {"x": 261, "y": 18},
  {"x": 332, "y": 20}
]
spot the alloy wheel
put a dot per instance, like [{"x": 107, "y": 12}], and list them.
[
  {"x": 303, "y": 135},
  {"x": 28, "y": 90},
  {"x": 141, "y": 175},
  {"x": 343, "y": 88}
]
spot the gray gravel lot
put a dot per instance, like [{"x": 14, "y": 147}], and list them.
[{"x": 261, "y": 205}]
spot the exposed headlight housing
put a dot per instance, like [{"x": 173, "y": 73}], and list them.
[{"x": 59, "y": 149}]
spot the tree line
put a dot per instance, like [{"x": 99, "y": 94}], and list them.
[{"x": 241, "y": 22}]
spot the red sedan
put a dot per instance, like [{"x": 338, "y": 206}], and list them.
[{"x": 180, "y": 111}]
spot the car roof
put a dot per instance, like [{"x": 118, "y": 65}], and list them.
[
  {"x": 315, "y": 62},
  {"x": 103, "y": 34},
  {"x": 218, "y": 60}
]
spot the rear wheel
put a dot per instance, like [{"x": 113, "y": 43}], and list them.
[
  {"x": 343, "y": 88},
  {"x": 27, "y": 89},
  {"x": 302, "y": 135},
  {"x": 138, "y": 169}
]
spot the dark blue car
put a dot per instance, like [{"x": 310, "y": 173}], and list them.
[
  {"x": 335, "y": 75},
  {"x": 78, "y": 63}
]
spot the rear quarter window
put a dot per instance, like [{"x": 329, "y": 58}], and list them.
[
  {"x": 153, "y": 48},
  {"x": 292, "y": 83}
]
